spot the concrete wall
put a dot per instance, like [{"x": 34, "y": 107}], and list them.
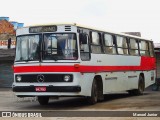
[
  {"x": 6, "y": 74},
  {"x": 6, "y": 62}
]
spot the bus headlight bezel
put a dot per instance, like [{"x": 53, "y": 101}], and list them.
[
  {"x": 67, "y": 78},
  {"x": 18, "y": 78}
]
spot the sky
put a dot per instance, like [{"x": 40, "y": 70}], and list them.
[{"x": 113, "y": 15}]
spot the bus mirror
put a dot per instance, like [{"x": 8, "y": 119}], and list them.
[{"x": 83, "y": 38}]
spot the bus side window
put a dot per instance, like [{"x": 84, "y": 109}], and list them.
[
  {"x": 84, "y": 47},
  {"x": 134, "y": 47},
  {"x": 122, "y": 45},
  {"x": 151, "y": 50},
  {"x": 110, "y": 47},
  {"x": 143, "y": 45},
  {"x": 96, "y": 46}
]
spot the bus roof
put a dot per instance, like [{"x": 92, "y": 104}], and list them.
[{"x": 92, "y": 28}]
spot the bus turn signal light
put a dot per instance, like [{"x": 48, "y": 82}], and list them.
[{"x": 76, "y": 65}]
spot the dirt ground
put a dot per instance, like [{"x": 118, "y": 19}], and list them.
[{"x": 150, "y": 101}]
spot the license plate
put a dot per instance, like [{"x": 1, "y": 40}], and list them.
[{"x": 40, "y": 89}]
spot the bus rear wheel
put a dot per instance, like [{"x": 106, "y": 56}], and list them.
[
  {"x": 43, "y": 100},
  {"x": 94, "y": 94},
  {"x": 141, "y": 86}
]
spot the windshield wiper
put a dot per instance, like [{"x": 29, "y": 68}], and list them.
[
  {"x": 19, "y": 61},
  {"x": 54, "y": 58},
  {"x": 24, "y": 60}
]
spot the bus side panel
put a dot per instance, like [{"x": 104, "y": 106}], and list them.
[
  {"x": 114, "y": 81},
  {"x": 123, "y": 81},
  {"x": 148, "y": 77},
  {"x": 86, "y": 81}
]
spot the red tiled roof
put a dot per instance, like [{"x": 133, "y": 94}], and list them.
[{"x": 6, "y": 27}]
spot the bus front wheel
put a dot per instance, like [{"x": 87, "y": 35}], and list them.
[
  {"x": 94, "y": 93},
  {"x": 43, "y": 100}
]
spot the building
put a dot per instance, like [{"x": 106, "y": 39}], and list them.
[
  {"x": 14, "y": 23},
  {"x": 6, "y": 27},
  {"x": 157, "y": 53},
  {"x": 7, "y": 30}
]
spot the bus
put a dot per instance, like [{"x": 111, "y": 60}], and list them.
[{"x": 61, "y": 60}]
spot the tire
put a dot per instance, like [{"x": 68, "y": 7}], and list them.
[
  {"x": 94, "y": 94},
  {"x": 43, "y": 100},
  {"x": 141, "y": 86}
]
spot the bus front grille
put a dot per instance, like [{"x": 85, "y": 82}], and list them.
[{"x": 34, "y": 78}]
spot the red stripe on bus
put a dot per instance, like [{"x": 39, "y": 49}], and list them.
[{"x": 146, "y": 64}]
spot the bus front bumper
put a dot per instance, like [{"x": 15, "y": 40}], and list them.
[{"x": 48, "y": 89}]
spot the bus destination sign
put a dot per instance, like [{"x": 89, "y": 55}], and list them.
[{"x": 42, "y": 29}]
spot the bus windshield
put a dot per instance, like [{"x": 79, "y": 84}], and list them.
[
  {"x": 55, "y": 46},
  {"x": 60, "y": 46},
  {"x": 27, "y": 48}
]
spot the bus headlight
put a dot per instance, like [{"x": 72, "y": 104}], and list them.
[
  {"x": 67, "y": 78},
  {"x": 18, "y": 78}
]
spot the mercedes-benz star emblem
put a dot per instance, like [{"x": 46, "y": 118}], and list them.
[{"x": 40, "y": 78}]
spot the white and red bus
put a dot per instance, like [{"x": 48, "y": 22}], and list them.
[{"x": 71, "y": 60}]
